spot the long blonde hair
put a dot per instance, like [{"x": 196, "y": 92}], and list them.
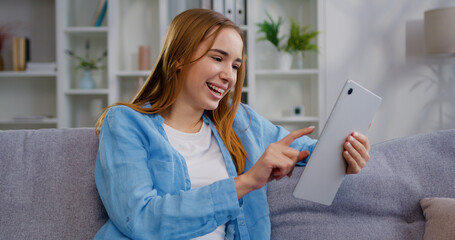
[{"x": 163, "y": 85}]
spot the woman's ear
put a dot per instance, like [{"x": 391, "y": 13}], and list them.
[
  {"x": 179, "y": 64},
  {"x": 179, "y": 68}
]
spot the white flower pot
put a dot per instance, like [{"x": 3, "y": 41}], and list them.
[
  {"x": 297, "y": 60},
  {"x": 283, "y": 61}
]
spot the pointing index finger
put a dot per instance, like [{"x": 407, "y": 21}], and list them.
[{"x": 296, "y": 134}]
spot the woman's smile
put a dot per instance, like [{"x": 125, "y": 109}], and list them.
[{"x": 217, "y": 91}]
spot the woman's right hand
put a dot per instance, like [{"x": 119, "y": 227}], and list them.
[{"x": 276, "y": 162}]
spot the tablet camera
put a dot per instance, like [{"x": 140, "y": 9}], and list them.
[{"x": 350, "y": 91}]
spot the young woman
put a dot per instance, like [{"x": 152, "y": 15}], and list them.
[{"x": 185, "y": 159}]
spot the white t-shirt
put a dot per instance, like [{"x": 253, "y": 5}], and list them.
[{"x": 204, "y": 161}]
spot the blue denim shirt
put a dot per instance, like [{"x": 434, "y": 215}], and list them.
[{"x": 145, "y": 187}]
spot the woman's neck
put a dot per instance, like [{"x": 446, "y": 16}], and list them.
[{"x": 183, "y": 119}]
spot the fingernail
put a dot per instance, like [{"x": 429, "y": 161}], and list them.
[
  {"x": 350, "y": 138},
  {"x": 355, "y": 134},
  {"x": 311, "y": 127},
  {"x": 349, "y": 144}
]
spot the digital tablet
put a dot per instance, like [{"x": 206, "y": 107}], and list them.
[{"x": 353, "y": 111}]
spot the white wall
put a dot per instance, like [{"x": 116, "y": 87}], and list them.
[{"x": 380, "y": 45}]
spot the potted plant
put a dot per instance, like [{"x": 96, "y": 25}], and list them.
[
  {"x": 271, "y": 28},
  {"x": 87, "y": 64},
  {"x": 299, "y": 40}
]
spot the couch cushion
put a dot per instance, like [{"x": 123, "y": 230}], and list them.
[
  {"x": 382, "y": 202},
  {"x": 47, "y": 184},
  {"x": 439, "y": 218}
]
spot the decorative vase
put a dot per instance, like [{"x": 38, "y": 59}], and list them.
[
  {"x": 144, "y": 58},
  {"x": 283, "y": 60},
  {"x": 86, "y": 82}
]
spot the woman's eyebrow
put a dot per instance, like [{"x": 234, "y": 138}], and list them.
[{"x": 224, "y": 53}]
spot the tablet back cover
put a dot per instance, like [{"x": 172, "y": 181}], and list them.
[{"x": 326, "y": 168}]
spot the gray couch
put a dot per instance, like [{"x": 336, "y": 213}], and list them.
[{"x": 47, "y": 189}]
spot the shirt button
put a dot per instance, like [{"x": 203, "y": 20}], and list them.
[{"x": 242, "y": 223}]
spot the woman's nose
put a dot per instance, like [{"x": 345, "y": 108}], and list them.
[{"x": 228, "y": 73}]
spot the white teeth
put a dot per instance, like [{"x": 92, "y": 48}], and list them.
[{"x": 217, "y": 89}]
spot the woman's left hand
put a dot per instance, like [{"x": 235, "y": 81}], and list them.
[{"x": 356, "y": 152}]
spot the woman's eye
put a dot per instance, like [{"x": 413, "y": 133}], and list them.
[
  {"x": 218, "y": 59},
  {"x": 235, "y": 67}
]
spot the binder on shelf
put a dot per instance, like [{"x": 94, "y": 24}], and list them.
[
  {"x": 207, "y": 4},
  {"x": 233, "y": 9},
  {"x": 240, "y": 12},
  {"x": 229, "y": 9},
  {"x": 218, "y": 5},
  {"x": 100, "y": 12}
]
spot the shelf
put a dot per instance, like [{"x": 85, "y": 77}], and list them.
[
  {"x": 86, "y": 30},
  {"x": 145, "y": 73},
  {"x": 294, "y": 119},
  {"x": 87, "y": 92},
  {"x": 28, "y": 74},
  {"x": 268, "y": 72},
  {"x": 26, "y": 122}
]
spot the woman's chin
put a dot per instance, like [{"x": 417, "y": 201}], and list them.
[{"x": 212, "y": 105}]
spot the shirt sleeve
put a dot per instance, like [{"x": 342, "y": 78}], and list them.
[
  {"x": 266, "y": 132},
  {"x": 131, "y": 198}
]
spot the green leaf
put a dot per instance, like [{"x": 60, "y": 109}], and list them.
[
  {"x": 270, "y": 29},
  {"x": 300, "y": 38}
]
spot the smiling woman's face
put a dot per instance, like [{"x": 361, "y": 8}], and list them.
[{"x": 210, "y": 78}]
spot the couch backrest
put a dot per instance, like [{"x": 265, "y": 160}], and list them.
[
  {"x": 47, "y": 187},
  {"x": 382, "y": 202}
]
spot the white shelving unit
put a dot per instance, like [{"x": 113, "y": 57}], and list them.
[
  {"x": 131, "y": 23},
  {"x": 275, "y": 93},
  {"x": 80, "y": 107},
  {"x": 28, "y": 99}
]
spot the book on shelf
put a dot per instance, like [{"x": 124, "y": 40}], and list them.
[
  {"x": 99, "y": 14},
  {"x": 21, "y": 53}
]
